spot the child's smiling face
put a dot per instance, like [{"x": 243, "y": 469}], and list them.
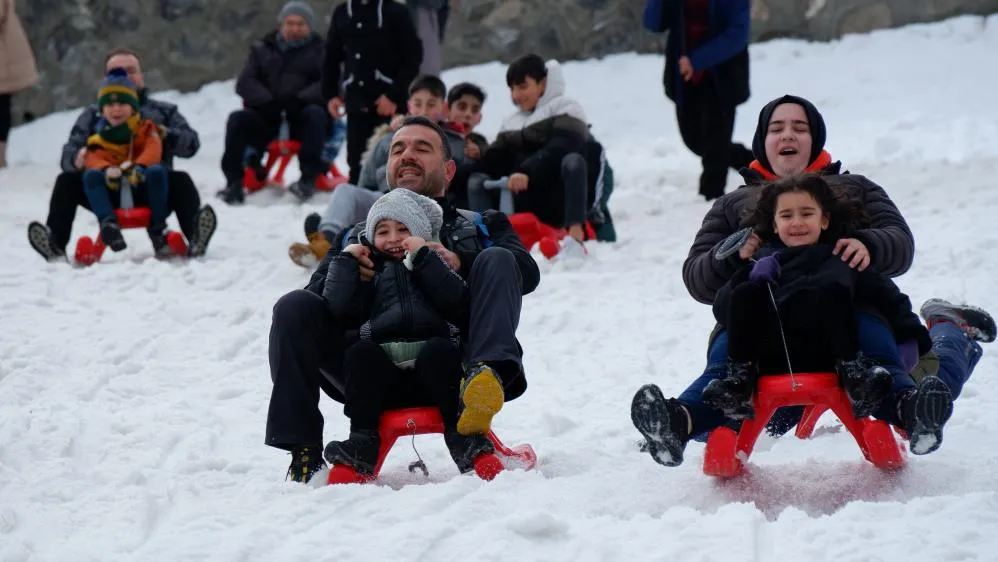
[
  {"x": 526, "y": 94},
  {"x": 117, "y": 113},
  {"x": 799, "y": 219},
  {"x": 388, "y": 237}
]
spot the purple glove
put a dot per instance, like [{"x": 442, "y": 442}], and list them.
[
  {"x": 765, "y": 270},
  {"x": 909, "y": 354}
]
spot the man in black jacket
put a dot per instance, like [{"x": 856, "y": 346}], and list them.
[
  {"x": 377, "y": 46},
  {"x": 307, "y": 342},
  {"x": 179, "y": 141},
  {"x": 282, "y": 76}
]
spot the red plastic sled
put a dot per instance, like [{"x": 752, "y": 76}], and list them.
[
  {"x": 279, "y": 153},
  {"x": 727, "y": 451},
  {"x": 90, "y": 250},
  {"x": 532, "y": 231},
  {"x": 420, "y": 421}
]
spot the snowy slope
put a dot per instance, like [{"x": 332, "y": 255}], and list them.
[{"x": 133, "y": 394}]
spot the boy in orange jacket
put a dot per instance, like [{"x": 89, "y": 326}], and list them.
[{"x": 125, "y": 146}]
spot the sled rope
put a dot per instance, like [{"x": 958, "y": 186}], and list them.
[
  {"x": 790, "y": 370},
  {"x": 411, "y": 425}
]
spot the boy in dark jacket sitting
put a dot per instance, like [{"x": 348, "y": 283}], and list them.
[
  {"x": 798, "y": 305},
  {"x": 409, "y": 312},
  {"x": 541, "y": 148}
]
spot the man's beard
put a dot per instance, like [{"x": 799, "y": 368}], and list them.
[{"x": 430, "y": 184}]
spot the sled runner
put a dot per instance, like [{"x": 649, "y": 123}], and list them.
[
  {"x": 728, "y": 450},
  {"x": 420, "y": 421},
  {"x": 90, "y": 250},
  {"x": 279, "y": 154}
]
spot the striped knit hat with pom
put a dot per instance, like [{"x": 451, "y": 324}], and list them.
[{"x": 117, "y": 88}]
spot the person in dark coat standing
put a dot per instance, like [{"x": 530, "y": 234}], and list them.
[
  {"x": 707, "y": 76},
  {"x": 379, "y": 50},
  {"x": 282, "y": 76}
]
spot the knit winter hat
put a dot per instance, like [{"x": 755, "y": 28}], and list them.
[
  {"x": 814, "y": 120},
  {"x": 117, "y": 88},
  {"x": 420, "y": 214},
  {"x": 296, "y": 8}
]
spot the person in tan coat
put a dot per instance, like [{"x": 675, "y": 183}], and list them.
[{"x": 17, "y": 68}]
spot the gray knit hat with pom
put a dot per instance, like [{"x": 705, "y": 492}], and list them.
[{"x": 420, "y": 214}]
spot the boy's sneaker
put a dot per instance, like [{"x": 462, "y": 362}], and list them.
[
  {"x": 359, "y": 452},
  {"x": 482, "y": 397},
  {"x": 464, "y": 449},
  {"x": 232, "y": 194},
  {"x": 924, "y": 411},
  {"x": 974, "y": 321},
  {"x": 733, "y": 394},
  {"x": 110, "y": 233},
  {"x": 205, "y": 223},
  {"x": 309, "y": 255},
  {"x": 40, "y": 238},
  {"x": 306, "y": 461},
  {"x": 663, "y": 424},
  {"x": 866, "y": 384}
]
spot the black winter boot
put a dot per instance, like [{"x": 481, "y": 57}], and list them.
[
  {"x": 733, "y": 394},
  {"x": 866, "y": 384},
  {"x": 110, "y": 233},
  {"x": 157, "y": 235},
  {"x": 924, "y": 412},
  {"x": 359, "y": 452},
  {"x": 664, "y": 424},
  {"x": 464, "y": 449},
  {"x": 306, "y": 460}
]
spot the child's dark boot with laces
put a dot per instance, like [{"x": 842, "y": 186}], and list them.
[
  {"x": 464, "y": 449},
  {"x": 110, "y": 233},
  {"x": 157, "y": 235},
  {"x": 923, "y": 412},
  {"x": 732, "y": 395},
  {"x": 664, "y": 424},
  {"x": 359, "y": 452},
  {"x": 306, "y": 461},
  {"x": 866, "y": 384}
]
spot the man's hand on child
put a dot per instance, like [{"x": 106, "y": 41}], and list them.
[
  {"x": 685, "y": 68},
  {"x": 412, "y": 244},
  {"x": 81, "y": 158},
  {"x": 854, "y": 252},
  {"x": 518, "y": 182},
  {"x": 449, "y": 257},
  {"x": 751, "y": 245}
]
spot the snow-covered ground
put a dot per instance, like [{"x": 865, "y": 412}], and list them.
[{"x": 133, "y": 394}]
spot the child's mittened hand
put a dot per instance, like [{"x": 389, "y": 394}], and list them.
[
  {"x": 112, "y": 172},
  {"x": 766, "y": 270}
]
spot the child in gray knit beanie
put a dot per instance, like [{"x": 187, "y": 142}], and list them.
[{"x": 410, "y": 312}]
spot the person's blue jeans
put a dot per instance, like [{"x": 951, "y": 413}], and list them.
[
  {"x": 875, "y": 341},
  {"x": 157, "y": 193},
  {"x": 958, "y": 355}
]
